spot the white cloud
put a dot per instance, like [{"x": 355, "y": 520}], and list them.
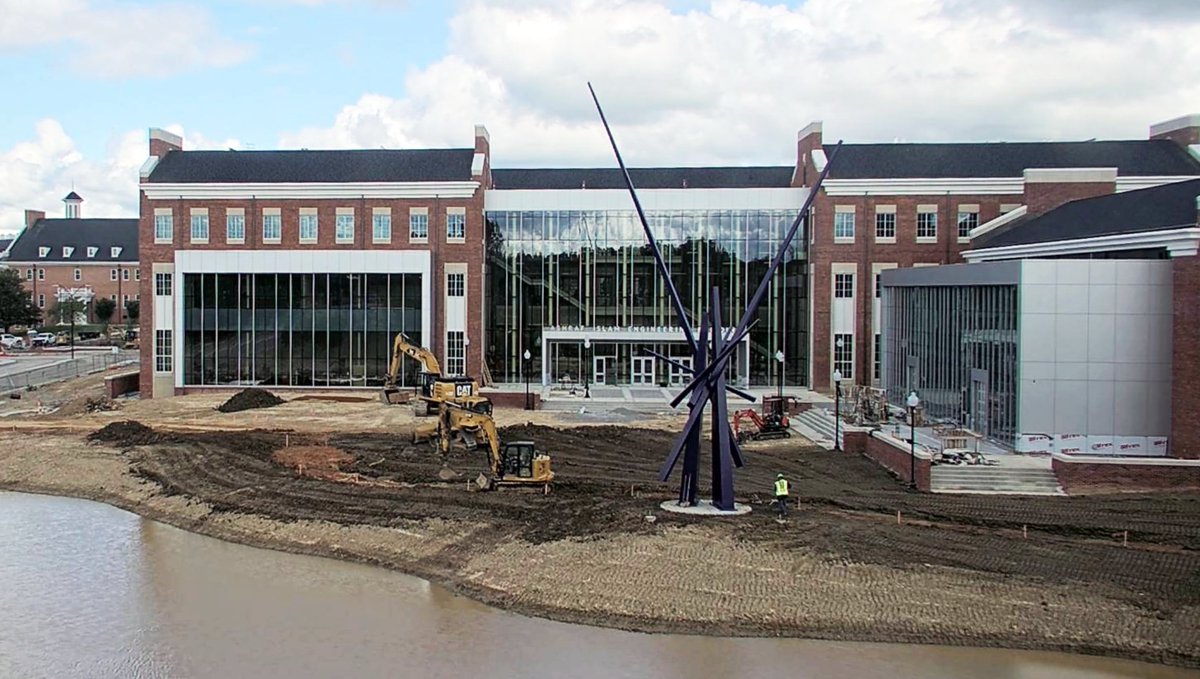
[
  {"x": 731, "y": 83},
  {"x": 39, "y": 171},
  {"x": 118, "y": 41}
]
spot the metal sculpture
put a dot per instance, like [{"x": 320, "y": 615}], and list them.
[{"x": 711, "y": 352}]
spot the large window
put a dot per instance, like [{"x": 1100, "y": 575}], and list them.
[
  {"x": 843, "y": 285},
  {"x": 967, "y": 221},
  {"x": 456, "y": 226},
  {"x": 162, "y": 284},
  {"x": 381, "y": 228},
  {"x": 162, "y": 351},
  {"x": 235, "y": 227},
  {"x": 885, "y": 225},
  {"x": 843, "y": 355},
  {"x": 200, "y": 227},
  {"x": 456, "y": 284},
  {"x": 344, "y": 228},
  {"x": 418, "y": 226},
  {"x": 926, "y": 225},
  {"x": 843, "y": 226},
  {"x": 272, "y": 227},
  {"x": 455, "y": 353},
  {"x": 322, "y": 330},
  {"x": 590, "y": 269}
]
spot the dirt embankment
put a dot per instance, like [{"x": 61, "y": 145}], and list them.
[{"x": 1026, "y": 572}]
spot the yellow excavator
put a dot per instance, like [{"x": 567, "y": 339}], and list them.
[
  {"x": 435, "y": 387},
  {"x": 515, "y": 463}
]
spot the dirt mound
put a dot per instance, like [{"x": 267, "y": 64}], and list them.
[
  {"x": 127, "y": 433},
  {"x": 249, "y": 399}
]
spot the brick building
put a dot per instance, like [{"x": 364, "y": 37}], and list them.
[
  {"x": 296, "y": 268},
  {"x": 887, "y": 206},
  {"x": 88, "y": 257}
]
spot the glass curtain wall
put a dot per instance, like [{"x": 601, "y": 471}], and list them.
[
  {"x": 298, "y": 330},
  {"x": 957, "y": 348},
  {"x": 593, "y": 269}
]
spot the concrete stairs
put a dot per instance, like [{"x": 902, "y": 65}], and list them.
[
  {"x": 999, "y": 480},
  {"x": 817, "y": 426}
]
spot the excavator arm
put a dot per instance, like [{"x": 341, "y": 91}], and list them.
[{"x": 403, "y": 346}]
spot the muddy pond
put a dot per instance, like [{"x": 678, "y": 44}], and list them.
[{"x": 87, "y": 590}]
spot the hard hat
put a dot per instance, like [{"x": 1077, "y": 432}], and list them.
[{"x": 779, "y": 476}]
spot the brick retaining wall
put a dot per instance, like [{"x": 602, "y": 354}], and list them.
[
  {"x": 889, "y": 453},
  {"x": 1090, "y": 474}
]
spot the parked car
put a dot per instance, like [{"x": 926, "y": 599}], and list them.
[
  {"x": 11, "y": 341},
  {"x": 44, "y": 339}
]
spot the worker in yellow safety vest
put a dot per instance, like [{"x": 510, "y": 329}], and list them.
[{"x": 781, "y": 495}]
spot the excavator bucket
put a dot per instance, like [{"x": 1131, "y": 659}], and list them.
[{"x": 392, "y": 396}]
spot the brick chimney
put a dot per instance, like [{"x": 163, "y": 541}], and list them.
[
  {"x": 161, "y": 142},
  {"x": 808, "y": 142},
  {"x": 1184, "y": 130},
  {"x": 32, "y": 217},
  {"x": 1048, "y": 188}
]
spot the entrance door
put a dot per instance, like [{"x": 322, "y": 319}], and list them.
[
  {"x": 680, "y": 376},
  {"x": 600, "y": 365},
  {"x": 642, "y": 370},
  {"x": 978, "y": 404}
]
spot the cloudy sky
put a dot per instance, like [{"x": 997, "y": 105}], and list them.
[{"x": 684, "y": 82}]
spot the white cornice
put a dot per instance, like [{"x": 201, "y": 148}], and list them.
[
  {"x": 1149, "y": 181},
  {"x": 924, "y": 187},
  {"x": 1178, "y": 242},
  {"x": 278, "y": 191},
  {"x": 999, "y": 221}
]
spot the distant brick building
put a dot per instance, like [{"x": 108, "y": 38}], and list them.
[{"x": 91, "y": 257}]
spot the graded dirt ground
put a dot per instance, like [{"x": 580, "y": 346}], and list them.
[{"x": 1114, "y": 575}]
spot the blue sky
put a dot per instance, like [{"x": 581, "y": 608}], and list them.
[{"x": 685, "y": 82}]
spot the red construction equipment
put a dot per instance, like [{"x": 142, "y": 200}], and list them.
[{"x": 770, "y": 426}]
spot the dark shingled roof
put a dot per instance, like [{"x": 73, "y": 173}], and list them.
[
  {"x": 103, "y": 234},
  {"x": 73, "y": 196},
  {"x": 644, "y": 178},
  {"x": 1170, "y": 206},
  {"x": 1009, "y": 159},
  {"x": 288, "y": 167}
]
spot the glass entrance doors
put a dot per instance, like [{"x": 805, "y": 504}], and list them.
[{"x": 642, "y": 370}]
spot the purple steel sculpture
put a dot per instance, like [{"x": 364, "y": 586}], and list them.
[{"x": 710, "y": 356}]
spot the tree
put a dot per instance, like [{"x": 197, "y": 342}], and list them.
[
  {"x": 16, "y": 304},
  {"x": 104, "y": 308},
  {"x": 132, "y": 309}
]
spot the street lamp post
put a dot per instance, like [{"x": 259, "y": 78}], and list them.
[
  {"x": 466, "y": 353},
  {"x": 587, "y": 366},
  {"x": 527, "y": 357},
  {"x": 912, "y": 402},
  {"x": 779, "y": 357},
  {"x": 837, "y": 410}
]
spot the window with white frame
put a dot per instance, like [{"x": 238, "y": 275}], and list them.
[
  {"x": 112, "y": 274},
  {"x": 885, "y": 225},
  {"x": 878, "y": 284},
  {"x": 344, "y": 227},
  {"x": 843, "y": 355},
  {"x": 456, "y": 363},
  {"x": 843, "y": 285},
  {"x": 41, "y": 301},
  {"x": 843, "y": 224},
  {"x": 162, "y": 284},
  {"x": 124, "y": 274},
  {"x": 235, "y": 227},
  {"x": 78, "y": 274},
  {"x": 28, "y": 274},
  {"x": 91, "y": 252},
  {"x": 163, "y": 226},
  {"x": 137, "y": 274},
  {"x": 68, "y": 251},
  {"x": 200, "y": 227},
  {"x": 456, "y": 226},
  {"x": 272, "y": 226},
  {"x": 967, "y": 221},
  {"x": 927, "y": 225},
  {"x": 114, "y": 252},
  {"x": 43, "y": 251},
  {"x": 381, "y": 227},
  {"x": 41, "y": 274},
  {"x": 308, "y": 225},
  {"x": 162, "y": 351},
  {"x": 418, "y": 226},
  {"x": 456, "y": 284},
  {"x": 878, "y": 354}
]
